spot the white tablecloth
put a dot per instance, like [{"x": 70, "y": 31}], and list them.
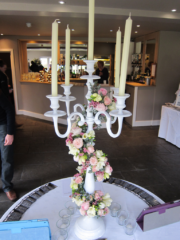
[
  {"x": 170, "y": 125},
  {"x": 49, "y": 205}
]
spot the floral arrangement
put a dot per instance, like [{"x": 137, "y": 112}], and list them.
[
  {"x": 99, "y": 101},
  {"x": 81, "y": 146}
]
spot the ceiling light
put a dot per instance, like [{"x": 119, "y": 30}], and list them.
[
  {"x": 73, "y": 30},
  {"x": 136, "y": 32},
  {"x": 2, "y": 34},
  {"x": 61, "y": 2},
  {"x": 59, "y": 21},
  {"x": 111, "y": 30},
  {"x": 173, "y": 10},
  {"x": 28, "y": 24},
  {"x": 138, "y": 25},
  {"x": 39, "y": 34}
]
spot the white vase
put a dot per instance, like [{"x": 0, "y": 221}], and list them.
[
  {"x": 89, "y": 184},
  {"x": 89, "y": 227}
]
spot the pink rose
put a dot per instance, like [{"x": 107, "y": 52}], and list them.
[
  {"x": 103, "y": 91},
  {"x": 78, "y": 180},
  {"x": 94, "y": 169},
  {"x": 76, "y": 131},
  {"x": 100, "y": 193},
  {"x": 82, "y": 212},
  {"x": 106, "y": 210},
  {"x": 100, "y": 107},
  {"x": 93, "y": 161},
  {"x": 107, "y": 100},
  {"x": 78, "y": 142},
  {"x": 96, "y": 196},
  {"x": 108, "y": 169},
  {"x": 101, "y": 212},
  {"x": 100, "y": 176},
  {"x": 76, "y": 159},
  {"x": 90, "y": 149},
  {"x": 85, "y": 206}
]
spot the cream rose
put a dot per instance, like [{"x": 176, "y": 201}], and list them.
[
  {"x": 73, "y": 185},
  {"x": 99, "y": 153},
  {"x": 73, "y": 150},
  {"x": 91, "y": 212}
]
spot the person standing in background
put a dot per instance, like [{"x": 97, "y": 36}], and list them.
[
  {"x": 102, "y": 72},
  {"x": 5, "y": 87},
  {"x": 7, "y": 123}
]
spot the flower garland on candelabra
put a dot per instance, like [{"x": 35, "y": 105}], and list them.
[{"x": 81, "y": 146}]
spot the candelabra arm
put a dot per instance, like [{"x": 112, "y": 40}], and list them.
[
  {"x": 75, "y": 109},
  {"x": 55, "y": 120},
  {"x": 108, "y": 123},
  {"x": 114, "y": 120}
]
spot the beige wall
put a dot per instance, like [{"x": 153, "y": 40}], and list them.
[{"x": 168, "y": 70}]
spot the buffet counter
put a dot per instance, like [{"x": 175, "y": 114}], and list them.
[
  {"x": 140, "y": 104},
  {"x": 35, "y": 103}
]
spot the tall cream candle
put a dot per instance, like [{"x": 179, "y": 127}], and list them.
[
  {"x": 125, "y": 56},
  {"x": 67, "y": 60},
  {"x": 118, "y": 56},
  {"x": 54, "y": 55},
  {"x": 91, "y": 30}
]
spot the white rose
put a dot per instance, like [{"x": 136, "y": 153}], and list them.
[
  {"x": 100, "y": 165},
  {"x": 102, "y": 205},
  {"x": 99, "y": 153},
  {"x": 112, "y": 106},
  {"x": 91, "y": 212}
]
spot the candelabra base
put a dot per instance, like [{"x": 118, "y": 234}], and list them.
[
  {"x": 57, "y": 113},
  {"x": 88, "y": 228}
]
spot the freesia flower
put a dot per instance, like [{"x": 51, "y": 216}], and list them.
[
  {"x": 73, "y": 185},
  {"x": 77, "y": 201},
  {"x": 79, "y": 169},
  {"x": 102, "y": 91},
  {"x": 107, "y": 200},
  {"x": 78, "y": 142},
  {"x": 112, "y": 106},
  {"x": 81, "y": 160},
  {"x": 102, "y": 205},
  {"x": 91, "y": 134},
  {"x": 73, "y": 150},
  {"x": 100, "y": 107},
  {"x": 107, "y": 100},
  {"x": 85, "y": 135},
  {"x": 91, "y": 212},
  {"x": 76, "y": 158}
]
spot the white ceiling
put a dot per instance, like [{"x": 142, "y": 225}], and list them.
[{"x": 152, "y": 15}]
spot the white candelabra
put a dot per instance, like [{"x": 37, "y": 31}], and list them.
[
  {"x": 86, "y": 227},
  {"x": 90, "y": 119}
]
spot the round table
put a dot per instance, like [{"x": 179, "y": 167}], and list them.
[{"x": 49, "y": 205}]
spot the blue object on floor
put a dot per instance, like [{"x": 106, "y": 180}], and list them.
[{"x": 25, "y": 230}]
